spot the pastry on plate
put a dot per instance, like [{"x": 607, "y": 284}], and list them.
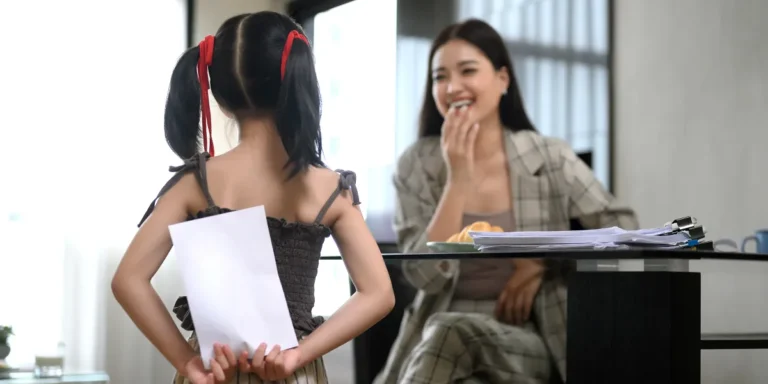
[{"x": 478, "y": 226}]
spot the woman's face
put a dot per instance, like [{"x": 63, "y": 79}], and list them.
[{"x": 462, "y": 73}]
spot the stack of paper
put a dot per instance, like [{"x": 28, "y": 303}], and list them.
[{"x": 606, "y": 238}]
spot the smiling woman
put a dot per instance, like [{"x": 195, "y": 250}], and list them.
[
  {"x": 467, "y": 67},
  {"x": 479, "y": 158}
]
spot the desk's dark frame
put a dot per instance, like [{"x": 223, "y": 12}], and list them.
[{"x": 623, "y": 343}]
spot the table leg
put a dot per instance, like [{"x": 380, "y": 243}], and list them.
[{"x": 634, "y": 327}]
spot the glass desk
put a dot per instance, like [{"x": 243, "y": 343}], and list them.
[
  {"x": 634, "y": 316},
  {"x": 82, "y": 378}
]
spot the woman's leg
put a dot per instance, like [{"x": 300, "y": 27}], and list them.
[
  {"x": 550, "y": 310},
  {"x": 459, "y": 346},
  {"x": 470, "y": 380}
]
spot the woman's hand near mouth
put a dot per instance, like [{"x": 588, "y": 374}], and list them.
[{"x": 459, "y": 132}]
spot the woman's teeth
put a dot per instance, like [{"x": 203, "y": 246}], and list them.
[{"x": 461, "y": 103}]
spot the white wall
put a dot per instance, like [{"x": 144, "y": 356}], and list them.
[
  {"x": 209, "y": 15},
  {"x": 691, "y": 139}
]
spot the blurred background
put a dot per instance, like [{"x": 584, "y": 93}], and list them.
[{"x": 667, "y": 98}]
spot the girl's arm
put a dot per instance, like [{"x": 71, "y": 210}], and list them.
[
  {"x": 374, "y": 298},
  {"x": 131, "y": 283}
]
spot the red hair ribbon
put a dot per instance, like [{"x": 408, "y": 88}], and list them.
[
  {"x": 287, "y": 49},
  {"x": 205, "y": 59}
]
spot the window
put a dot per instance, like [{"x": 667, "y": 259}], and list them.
[
  {"x": 358, "y": 90},
  {"x": 560, "y": 54},
  {"x": 372, "y": 65}
]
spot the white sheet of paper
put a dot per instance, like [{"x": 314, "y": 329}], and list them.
[{"x": 230, "y": 277}]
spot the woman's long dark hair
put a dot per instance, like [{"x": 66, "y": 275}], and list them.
[
  {"x": 485, "y": 38},
  {"x": 245, "y": 79}
]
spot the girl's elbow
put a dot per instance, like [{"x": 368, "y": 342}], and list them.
[
  {"x": 381, "y": 298},
  {"x": 119, "y": 285},
  {"x": 117, "y": 288},
  {"x": 388, "y": 301},
  {"x": 122, "y": 283}
]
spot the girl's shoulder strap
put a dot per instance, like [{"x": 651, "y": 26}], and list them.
[
  {"x": 195, "y": 163},
  {"x": 347, "y": 181}
]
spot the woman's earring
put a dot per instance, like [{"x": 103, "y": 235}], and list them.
[{"x": 504, "y": 92}]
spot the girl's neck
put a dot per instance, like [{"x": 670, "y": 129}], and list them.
[{"x": 261, "y": 145}]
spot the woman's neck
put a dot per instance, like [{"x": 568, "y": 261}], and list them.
[{"x": 490, "y": 138}]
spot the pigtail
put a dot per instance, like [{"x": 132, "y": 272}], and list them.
[
  {"x": 297, "y": 114},
  {"x": 182, "y": 108}
]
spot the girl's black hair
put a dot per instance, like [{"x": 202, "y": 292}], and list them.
[
  {"x": 245, "y": 80},
  {"x": 485, "y": 38}
]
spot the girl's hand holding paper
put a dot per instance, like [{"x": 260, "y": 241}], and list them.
[
  {"x": 223, "y": 364},
  {"x": 277, "y": 365},
  {"x": 223, "y": 367}
]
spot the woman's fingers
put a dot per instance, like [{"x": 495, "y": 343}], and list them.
[
  {"x": 462, "y": 131},
  {"x": 499, "y": 311},
  {"x": 453, "y": 124},
  {"x": 527, "y": 305},
  {"x": 519, "y": 309},
  {"x": 509, "y": 306},
  {"x": 505, "y": 305},
  {"x": 447, "y": 128},
  {"x": 470, "y": 141}
]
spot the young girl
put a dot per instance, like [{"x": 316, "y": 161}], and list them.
[{"x": 262, "y": 74}]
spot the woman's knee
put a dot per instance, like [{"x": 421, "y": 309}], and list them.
[
  {"x": 443, "y": 320},
  {"x": 456, "y": 324},
  {"x": 443, "y": 342}
]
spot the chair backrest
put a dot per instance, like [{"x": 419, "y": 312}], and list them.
[{"x": 586, "y": 157}]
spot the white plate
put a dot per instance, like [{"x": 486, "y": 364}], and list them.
[{"x": 445, "y": 247}]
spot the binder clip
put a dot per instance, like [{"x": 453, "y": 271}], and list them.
[
  {"x": 702, "y": 246},
  {"x": 683, "y": 223},
  {"x": 696, "y": 232}
]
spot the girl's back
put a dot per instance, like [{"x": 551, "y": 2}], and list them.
[
  {"x": 262, "y": 75},
  {"x": 300, "y": 214},
  {"x": 237, "y": 180}
]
